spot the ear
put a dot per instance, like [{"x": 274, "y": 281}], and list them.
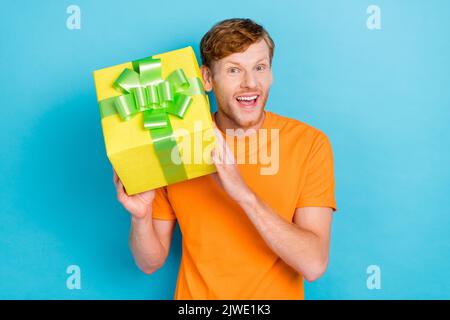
[{"x": 207, "y": 78}]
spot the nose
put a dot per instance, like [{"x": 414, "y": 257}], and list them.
[{"x": 249, "y": 80}]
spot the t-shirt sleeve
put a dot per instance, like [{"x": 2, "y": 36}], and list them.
[
  {"x": 318, "y": 189},
  {"x": 162, "y": 208}
]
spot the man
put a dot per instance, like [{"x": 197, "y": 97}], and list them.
[{"x": 246, "y": 233}]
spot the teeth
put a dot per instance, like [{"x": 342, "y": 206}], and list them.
[{"x": 247, "y": 98}]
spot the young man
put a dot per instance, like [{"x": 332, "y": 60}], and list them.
[{"x": 247, "y": 233}]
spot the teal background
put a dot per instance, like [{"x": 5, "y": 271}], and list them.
[{"x": 382, "y": 97}]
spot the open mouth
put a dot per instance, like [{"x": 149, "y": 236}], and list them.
[{"x": 247, "y": 101}]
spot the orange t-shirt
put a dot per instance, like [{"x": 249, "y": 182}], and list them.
[{"x": 223, "y": 255}]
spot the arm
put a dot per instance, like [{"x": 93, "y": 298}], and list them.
[
  {"x": 150, "y": 242},
  {"x": 149, "y": 238},
  {"x": 303, "y": 244}
]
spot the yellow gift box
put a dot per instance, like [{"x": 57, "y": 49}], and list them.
[{"x": 140, "y": 155}]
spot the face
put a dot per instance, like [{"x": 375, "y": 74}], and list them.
[{"x": 241, "y": 84}]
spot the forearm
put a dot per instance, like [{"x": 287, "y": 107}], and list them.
[
  {"x": 299, "y": 248},
  {"x": 145, "y": 245}
]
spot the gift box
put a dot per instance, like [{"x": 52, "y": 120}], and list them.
[{"x": 156, "y": 120}]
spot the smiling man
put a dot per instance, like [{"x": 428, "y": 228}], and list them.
[{"x": 246, "y": 233}]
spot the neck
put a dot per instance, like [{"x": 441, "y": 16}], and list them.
[{"x": 223, "y": 122}]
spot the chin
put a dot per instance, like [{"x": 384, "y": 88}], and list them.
[{"x": 247, "y": 119}]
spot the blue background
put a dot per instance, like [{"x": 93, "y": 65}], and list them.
[{"x": 382, "y": 97}]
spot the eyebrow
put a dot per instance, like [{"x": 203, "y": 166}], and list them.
[{"x": 237, "y": 63}]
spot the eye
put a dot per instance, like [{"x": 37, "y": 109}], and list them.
[
  {"x": 261, "y": 67},
  {"x": 233, "y": 70}
]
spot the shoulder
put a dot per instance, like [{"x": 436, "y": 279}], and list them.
[{"x": 296, "y": 129}]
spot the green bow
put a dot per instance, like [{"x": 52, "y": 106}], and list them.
[{"x": 144, "y": 90}]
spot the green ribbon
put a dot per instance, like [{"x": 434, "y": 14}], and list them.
[{"x": 144, "y": 90}]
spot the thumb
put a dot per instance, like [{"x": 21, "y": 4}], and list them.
[{"x": 215, "y": 176}]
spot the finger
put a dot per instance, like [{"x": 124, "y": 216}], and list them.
[
  {"x": 216, "y": 156},
  {"x": 216, "y": 178},
  {"x": 221, "y": 170},
  {"x": 115, "y": 177},
  {"x": 219, "y": 137},
  {"x": 221, "y": 147},
  {"x": 225, "y": 155},
  {"x": 121, "y": 195},
  {"x": 228, "y": 155}
]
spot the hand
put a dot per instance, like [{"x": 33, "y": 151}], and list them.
[
  {"x": 228, "y": 176},
  {"x": 138, "y": 205}
]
